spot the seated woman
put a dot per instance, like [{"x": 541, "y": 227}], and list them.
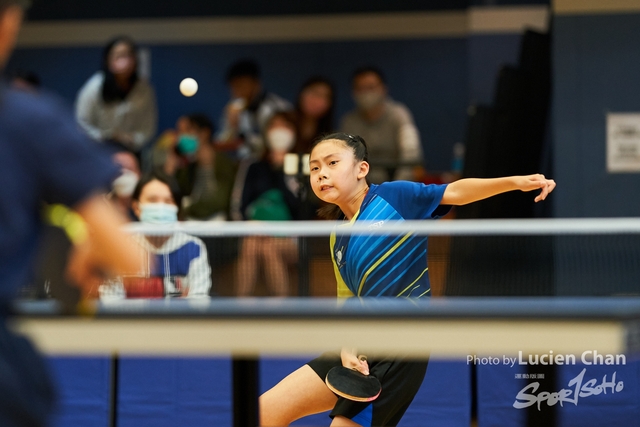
[
  {"x": 178, "y": 264},
  {"x": 262, "y": 192},
  {"x": 116, "y": 105}
]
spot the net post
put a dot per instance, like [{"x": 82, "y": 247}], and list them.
[{"x": 246, "y": 409}]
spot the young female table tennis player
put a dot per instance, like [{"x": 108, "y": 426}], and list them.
[{"x": 386, "y": 266}]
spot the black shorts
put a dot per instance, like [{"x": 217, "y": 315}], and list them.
[{"x": 401, "y": 379}]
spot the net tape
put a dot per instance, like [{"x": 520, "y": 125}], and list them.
[{"x": 484, "y": 227}]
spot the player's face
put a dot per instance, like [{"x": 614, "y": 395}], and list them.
[
  {"x": 336, "y": 175},
  {"x": 10, "y": 20}
]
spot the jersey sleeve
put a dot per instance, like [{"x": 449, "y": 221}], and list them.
[
  {"x": 415, "y": 200},
  {"x": 71, "y": 167}
]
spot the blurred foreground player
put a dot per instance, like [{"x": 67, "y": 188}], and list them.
[{"x": 45, "y": 159}]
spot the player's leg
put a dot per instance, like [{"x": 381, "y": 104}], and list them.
[{"x": 300, "y": 394}]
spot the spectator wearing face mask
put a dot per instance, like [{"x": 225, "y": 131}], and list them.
[
  {"x": 116, "y": 105},
  {"x": 178, "y": 264},
  {"x": 263, "y": 192},
  {"x": 205, "y": 175},
  {"x": 387, "y": 126},
  {"x": 123, "y": 186}
]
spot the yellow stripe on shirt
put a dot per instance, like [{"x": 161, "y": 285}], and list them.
[
  {"x": 377, "y": 263},
  {"x": 412, "y": 283},
  {"x": 343, "y": 289}
]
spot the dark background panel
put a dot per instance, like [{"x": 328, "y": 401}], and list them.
[{"x": 104, "y": 9}]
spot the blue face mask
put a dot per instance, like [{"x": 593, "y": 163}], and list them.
[
  {"x": 187, "y": 144},
  {"x": 158, "y": 213}
]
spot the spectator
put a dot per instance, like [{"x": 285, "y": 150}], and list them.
[
  {"x": 248, "y": 111},
  {"x": 116, "y": 105},
  {"x": 123, "y": 186},
  {"x": 204, "y": 174},
  {"x": 314, "y": 107},
  {"x": 179, "y": 265},
  {"x": 386, "y": 125},
  {"x": 263, "y": 192}
]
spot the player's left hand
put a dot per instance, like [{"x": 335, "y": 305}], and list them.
[{"x": 534, "y": 182}]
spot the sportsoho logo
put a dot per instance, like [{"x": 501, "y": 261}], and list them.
[
  {"x": 578, "y": 387},
  {"x": 581, "y": 386}
]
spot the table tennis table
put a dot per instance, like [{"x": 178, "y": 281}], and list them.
[{"x": 455, "y": 327}]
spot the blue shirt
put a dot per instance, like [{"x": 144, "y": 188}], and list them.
[
  {"x": 43, "y": 158},
  {"x": 388, "y": 265}
]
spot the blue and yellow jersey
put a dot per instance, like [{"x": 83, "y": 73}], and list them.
[{"x": 387, "y": 265}]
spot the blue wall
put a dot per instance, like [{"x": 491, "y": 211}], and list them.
[
  {"x": 437, "y": 78},
  {"x": 596, "y": 70}
]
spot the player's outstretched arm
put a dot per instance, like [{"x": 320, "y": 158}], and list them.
[{"x": 471, "y": 190}]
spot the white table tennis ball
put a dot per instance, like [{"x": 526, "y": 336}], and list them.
[{"x": 188, "y": 87}]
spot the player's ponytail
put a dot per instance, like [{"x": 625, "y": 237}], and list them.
[{"x": 361, "y": 154}]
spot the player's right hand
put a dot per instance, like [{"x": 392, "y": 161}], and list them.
[{"x": 352, "y": 360}]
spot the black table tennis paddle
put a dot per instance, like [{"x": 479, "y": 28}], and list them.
[{"x": 353, "y": 385}]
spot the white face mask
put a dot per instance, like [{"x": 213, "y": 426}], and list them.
[
  {"x": 124, "y": 185},
  {"x": 368, "y": 100},
  {"x": 158, "y": 213},
  {"x": 280, "y": 139}
]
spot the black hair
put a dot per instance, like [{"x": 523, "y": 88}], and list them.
[
  {"x": 287, "y": 115},
  {"x": 28, "y": 76},
  {"x": 25, "y": 4},
  {"x": 111, "y": 92},
  {"x": 325, "y": 124},
  {"x": 360, "y": 153},
  {"x": 201, "y": 121},
  {"x": 355, "y": 142},
  {"x": 243, "y": 68},
  {"x": 368, "y": 69},
  {"x": 169, "y": 181}
]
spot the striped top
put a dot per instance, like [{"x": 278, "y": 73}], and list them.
[{"x": 387, "y": 265}]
